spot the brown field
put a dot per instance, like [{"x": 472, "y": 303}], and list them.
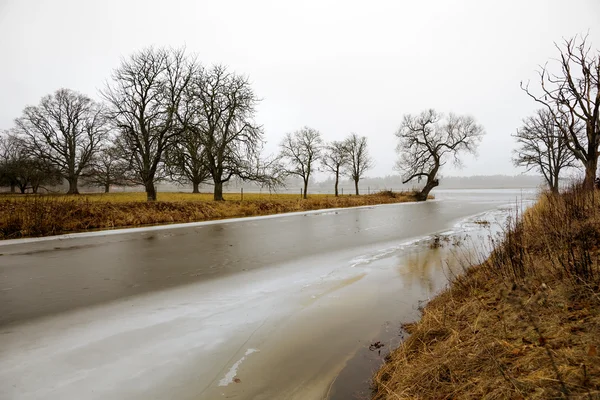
[
  {"x": 45, "y": 215},
  {"x": 523, "y": 324}
]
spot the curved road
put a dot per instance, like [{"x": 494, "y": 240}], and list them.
[{"x": 245, "y": 309}]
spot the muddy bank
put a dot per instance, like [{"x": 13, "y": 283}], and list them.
[{"x": 429, "y": 263}]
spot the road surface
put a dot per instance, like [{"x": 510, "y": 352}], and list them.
[{"x": 262, "y": 308}]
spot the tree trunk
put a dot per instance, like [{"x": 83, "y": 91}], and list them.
[
  {"x": 305, "y": 187},
  {"x": 218, "y": 193},
  {"x": 590, "y": 174},
  {"x": 150, "y": 191},
  {"x": 13, "y": 188},
  {"x": 356, "y": 186},
  {"x": 431, "y": 183},
  {"x": 22, "y": 189},
  {"x": 72, "y": 185},
  {"x": 195, "y": 188},
  {"x": 106, "y": 187},
  {"x": 34, "y": 189},
  {"x": 337, "y": 180},
  {"x": 554, "y": 187}
]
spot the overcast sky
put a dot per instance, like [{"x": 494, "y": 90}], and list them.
[{"x": 339, "y": 67}]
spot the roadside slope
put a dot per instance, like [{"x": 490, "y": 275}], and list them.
[{"x": 523, "y": 324}]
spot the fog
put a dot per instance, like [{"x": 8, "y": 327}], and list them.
[{"x": 339, "y": 67}]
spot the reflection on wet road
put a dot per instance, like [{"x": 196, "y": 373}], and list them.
[{"x": 260, "y": 309}]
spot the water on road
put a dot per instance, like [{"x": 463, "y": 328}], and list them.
[{"x": 285, "y": 307}]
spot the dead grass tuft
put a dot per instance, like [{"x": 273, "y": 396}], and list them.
[{"x": 524, "y": 324}]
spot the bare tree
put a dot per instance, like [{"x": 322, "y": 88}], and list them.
[
  {"x": 9, "y": 153},
  {"x": 218, "y": 116},
  {"x": 300, "y": 151},
  {"x": 359, "y": 161},
  {"x": 19, "y": 169},
  {"x": 428, "y": 141},
  {"x": 335, "y": 158},
  {"x": 185, "y": 161},
  {"x": 543, "y": 147},
  {"x": 108, "y": 168},
  {"x": 572, "y": 96},
  {"x": 145, "y": 93},
  {"x": 66, "y": 129}
]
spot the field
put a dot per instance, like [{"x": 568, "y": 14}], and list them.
[
  {"x": 44, "y": 215},
  {"x": 525, "y": 323}
]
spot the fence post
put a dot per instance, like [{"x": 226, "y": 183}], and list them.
[
  {"x": 242, "y": 194},
  {"x": 368, "y": 189}
]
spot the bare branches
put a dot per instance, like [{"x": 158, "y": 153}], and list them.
[
  {"x": 108, "y": 168},
  {"x": 428, "y": 141},
  {"x": 335, "y": 157},
  {"x": 217, "y": 113},
  {"x": 144, "y": 96},
  {"x": 20, "y": 169},
  {"x": 300, "y": 151},
  {"x": 66, "y": 130},
  {"x": 185, "y": 160},
  {"x": 572, "y": 97},
  {"x": 359, "y": 159},
  {"x": 543, "y": 147}
]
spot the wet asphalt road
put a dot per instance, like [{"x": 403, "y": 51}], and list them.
[{"x": 182, "y": 312}]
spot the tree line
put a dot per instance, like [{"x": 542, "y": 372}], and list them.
[{"x": 164, "y": 116}]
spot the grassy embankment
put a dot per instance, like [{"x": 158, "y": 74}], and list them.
[
  {"x": 45, "y": 215},
  {"x": 523, "y": 324}
]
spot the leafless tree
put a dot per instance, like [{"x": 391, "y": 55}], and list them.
[
  {"x": 108, "y": 168},
  {"x": 429, "y": 140},
  {"x": 66, "y": 129},
  {"x": 185, "y": 161},
  {"x": 359, "y": 159},
  {"x": 218, "y": 116},
  {"x": 335, "y": 158},
  {"x": 9, "y": 153},
  {"x": 572, "y": 96},
  {"x": 19, "y": 169},
  {"x": 543, "y": 147},
  {"x": 300, "y": 151},
  {"x": 145, "y": 92}
]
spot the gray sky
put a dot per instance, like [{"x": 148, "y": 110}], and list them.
[{"x": 339, "y": 67}]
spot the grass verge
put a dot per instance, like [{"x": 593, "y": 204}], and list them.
[
  {"x": 523, "y": 324},
  {"x": 31, "y": 216}
]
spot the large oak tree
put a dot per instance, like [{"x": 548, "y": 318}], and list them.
[
  {"x": 221, "y": 139},
  {"x": 144, "y": 95},
  {"x": 65, "y": 131}
]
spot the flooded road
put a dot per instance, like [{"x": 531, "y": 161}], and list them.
[{"x": 264, "y": 308}]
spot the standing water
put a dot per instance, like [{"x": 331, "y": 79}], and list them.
[{"x": 296, "y": 306}]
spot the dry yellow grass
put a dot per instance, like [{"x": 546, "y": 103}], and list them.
[
  {"x": 126, "y": 197},
  {"x": 26, "y": 216},
  {"x": 524, "y": 324}
]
